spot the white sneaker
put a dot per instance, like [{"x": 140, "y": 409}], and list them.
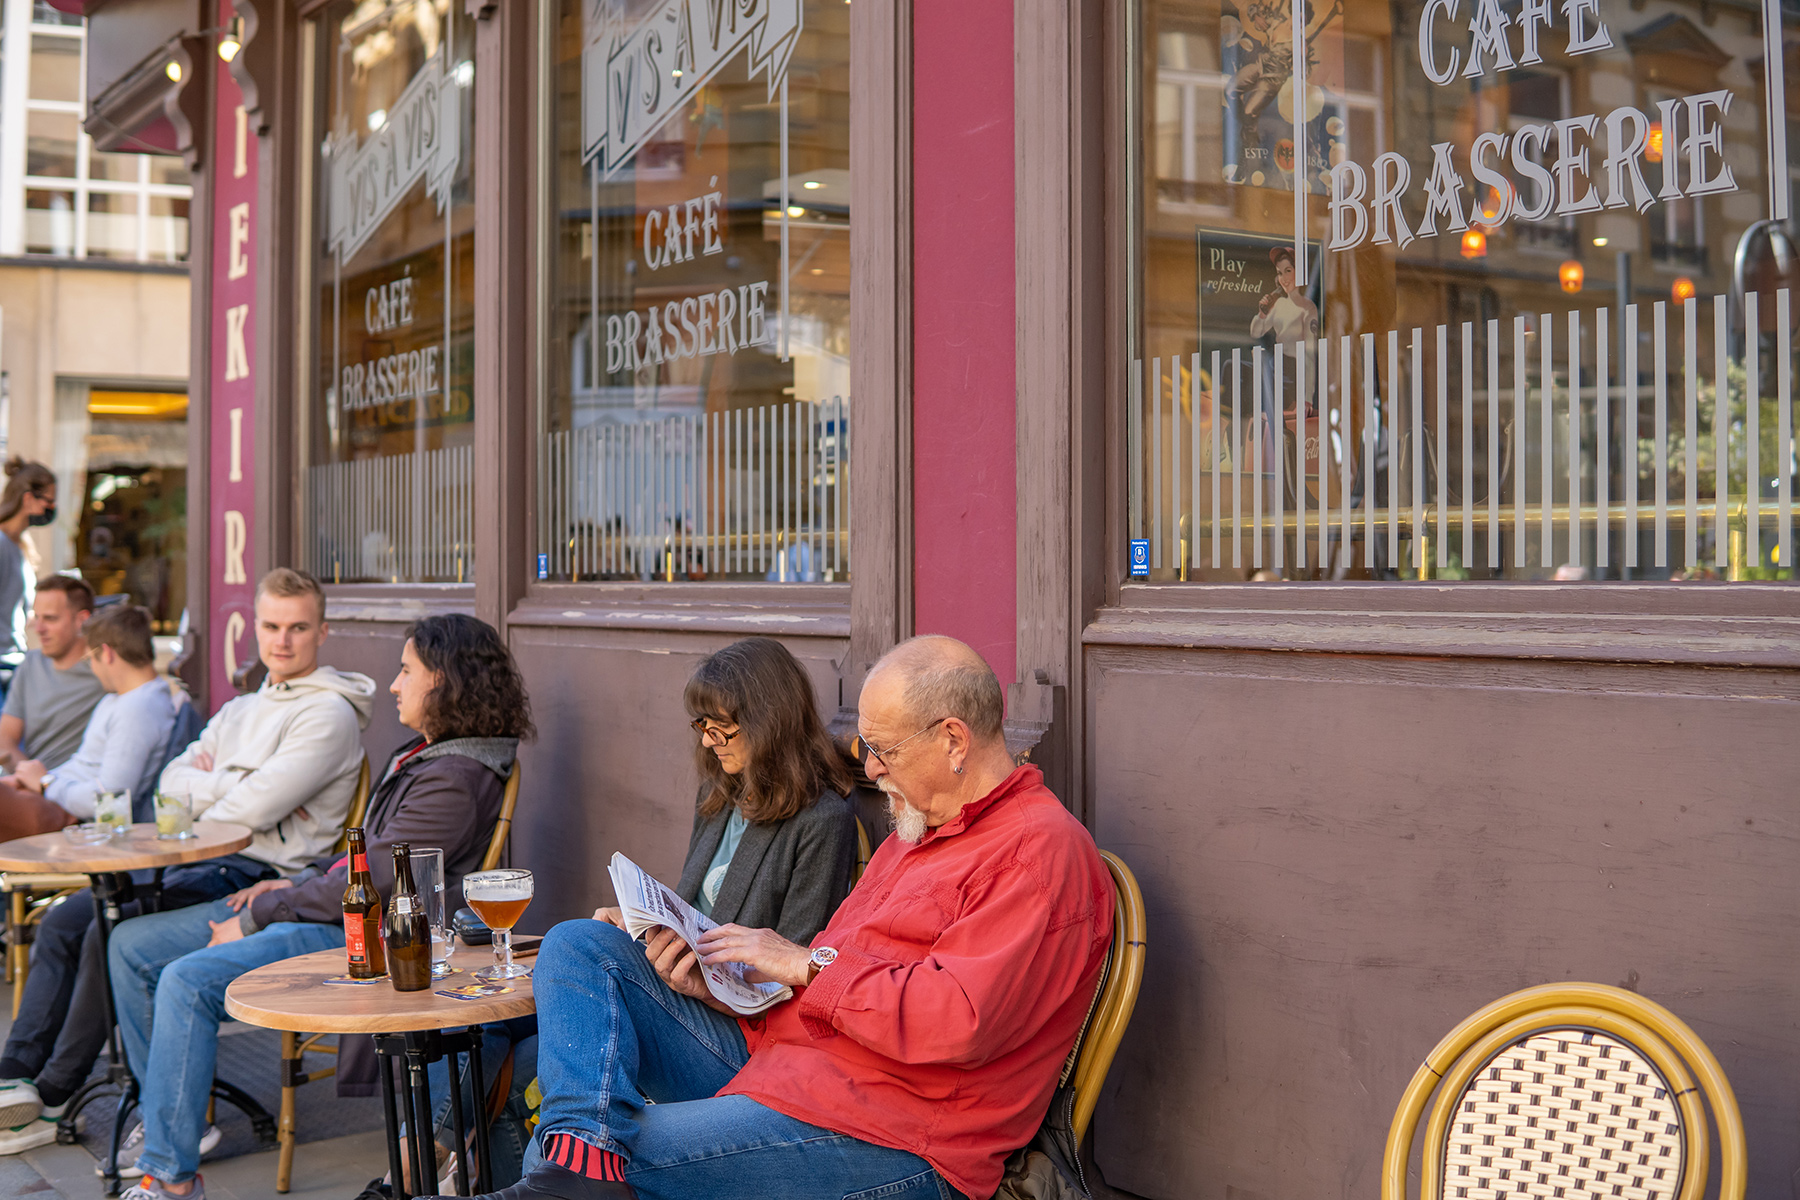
[
  {"x": 133, "y": 1146},
  {"x": 152, "y": 1190},
  {"x": 19, "y": 1103},
  {"x": 40, "y": 1131}
]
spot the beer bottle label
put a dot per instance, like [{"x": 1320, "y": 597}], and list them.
[
  {"x": 353, "y": 939},
  {"x": 359, "y": 863}
]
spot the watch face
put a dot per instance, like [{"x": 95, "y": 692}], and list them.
[{"x": 824, "y": 956}]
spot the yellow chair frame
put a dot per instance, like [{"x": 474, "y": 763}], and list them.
[
  {"x": 864, "y": 852},
  {"x": 29, "y": 897},
  {"x": 1116, "y": 997},
  {"x": 1652, "y": 1030},
  {"x": 295, "y": 1046}
]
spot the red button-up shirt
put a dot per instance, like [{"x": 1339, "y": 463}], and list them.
[{"x": 965, "y": 966}]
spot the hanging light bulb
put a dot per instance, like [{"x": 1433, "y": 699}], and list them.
[
  {"x": 1682, "y": 289},
  {"x": 1570, "y": 274},
  {"x": 1474, "y": 242},
  {"x": 173, "y": 70},
  {"x": 233, "y": 39}
]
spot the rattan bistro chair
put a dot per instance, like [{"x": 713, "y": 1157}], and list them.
[
  {"x": 295, "y": 1046},
  {"x": 1568, "y": 1090},
  {"x": 1093, "y": 1053}
]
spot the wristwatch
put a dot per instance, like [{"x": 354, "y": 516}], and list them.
[{"x": 818, "y": 960}]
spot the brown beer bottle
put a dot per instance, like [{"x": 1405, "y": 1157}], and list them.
[
  {"x": 362, "y": 913},
  {"x": 408, "y": 934}
]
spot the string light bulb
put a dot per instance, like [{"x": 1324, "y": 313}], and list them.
[
  {"x": 1570, "y": 275},
  {"x": 1682, "y": 289},
  {"x": 233, "y": 40},
  {"x": 173, "y": 70},
  {"x": 1474, "y": 242}
]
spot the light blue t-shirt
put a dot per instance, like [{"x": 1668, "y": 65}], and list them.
[
  {"x": 122, "y": 735},
  {"x": 721, "y": 862}
]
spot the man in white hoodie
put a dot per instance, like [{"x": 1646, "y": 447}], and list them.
[{"x": 283, "y": 760}]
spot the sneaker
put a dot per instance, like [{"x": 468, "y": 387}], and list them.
[
  {"x": 152, "y": 1190},
  {"x": 548, "y": 1181},
  {"x": 34, "y": 1133},
  {"x": 133, "y": 1146},
  {"x": 19, "y": 1103},
  {"x": 378, "y": 1189}
]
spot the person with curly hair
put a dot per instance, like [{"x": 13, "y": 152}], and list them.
[{"x": 460, "y": 691}]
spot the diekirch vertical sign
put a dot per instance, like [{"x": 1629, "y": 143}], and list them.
[{"x": 231, "y": 167}]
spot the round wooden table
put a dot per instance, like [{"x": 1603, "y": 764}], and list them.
[
  {"x": 106, "y": 865},
  {"x": 294, "y": 996},
  {"x": 137, "y": 849}
]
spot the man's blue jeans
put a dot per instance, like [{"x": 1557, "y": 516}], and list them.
[
  {"x": 169, "y": 989},
  {"x": 612, "y": 1035}
]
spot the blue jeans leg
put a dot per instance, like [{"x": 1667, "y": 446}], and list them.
[
  {"x": 190, "y": 1004},
  {"x": 136, "y": 955},
  {"x": 611, "y": 1034},
  {"x": 733, "y": 1146}
]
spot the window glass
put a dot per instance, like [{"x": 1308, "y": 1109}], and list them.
[
  {"x": 697, "y": 408},
  {"x": 55, "y": 67},
  {"x": 49, "y": 222},
  {"x": 166, "y": 231},
  {"x": 1446, "y": 292},
  {"x": 166, "y": 169},
  {"x": 43, "y": 13},
  {"x": 119, "y": 168},
  {"x": 389, "y": 423},
  {"x": 51, "y": 143},
  {"x": 112, "y": 225}
]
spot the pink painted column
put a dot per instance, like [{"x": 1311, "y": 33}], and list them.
[{"x": 964, "y": 482}]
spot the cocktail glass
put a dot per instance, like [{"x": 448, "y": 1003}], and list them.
[
  {"x": 113, "y": 811},
  {"x": 174, "y": 816},
  {"x": 499, "y": 898},
  {"x": 428, "y": 877}
]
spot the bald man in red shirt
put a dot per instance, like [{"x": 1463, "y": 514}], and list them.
[{"x": 930, "y": 1019}]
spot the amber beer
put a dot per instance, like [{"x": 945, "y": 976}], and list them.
[
  {"x": 408, "y": 933},
  {"x": 500, "y": 914},
  {"x": 362, "y": 914}
]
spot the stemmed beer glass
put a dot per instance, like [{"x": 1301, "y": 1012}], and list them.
[{"x": 499, "y": 898}]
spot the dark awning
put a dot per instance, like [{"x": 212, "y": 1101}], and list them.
[{"x": 142, "y": 60}]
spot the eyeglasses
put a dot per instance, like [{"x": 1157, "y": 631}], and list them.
[
  {"x": 708, "y": 728},
  {"x": 864, "y": 751}
]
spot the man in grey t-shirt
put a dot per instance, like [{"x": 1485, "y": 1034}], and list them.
[{"x": 53, "y": 692}]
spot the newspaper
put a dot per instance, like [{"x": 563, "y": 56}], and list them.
[{"x": 646, "y": 904}]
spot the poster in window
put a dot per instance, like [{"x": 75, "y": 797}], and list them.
[{"x": 1257, "y": 53}]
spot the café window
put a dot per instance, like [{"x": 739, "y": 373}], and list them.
[
  {"x": 389, "y": 433},
  {"x": 696, "y": 421},
  {"x": 1460, "y": 290}
]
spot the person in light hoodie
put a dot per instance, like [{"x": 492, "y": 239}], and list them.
[{"x": 282, "y": 760}]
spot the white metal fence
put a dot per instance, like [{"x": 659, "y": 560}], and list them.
[
  {"x": 1591, "y": 454},
  {"x": 402, "y": 518},
  {"x": 749, "y": 493}
]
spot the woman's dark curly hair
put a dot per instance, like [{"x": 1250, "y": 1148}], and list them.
[
  {"x": 479, "y": 692},
  {"x": 756, "y": 685}
]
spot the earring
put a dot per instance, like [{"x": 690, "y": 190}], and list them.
[{"x": 958, "y": 770}]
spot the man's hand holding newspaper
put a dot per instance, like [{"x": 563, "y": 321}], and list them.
[{"x": 646, "y": 904}]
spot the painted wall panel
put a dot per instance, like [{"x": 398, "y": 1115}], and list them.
[{"x": 1343, "y": 857}]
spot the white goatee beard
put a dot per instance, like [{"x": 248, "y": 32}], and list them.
[{"x": 909, "y": 822}]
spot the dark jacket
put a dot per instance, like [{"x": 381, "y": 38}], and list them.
[
  {"x": 448, "y": 796},
  {"x": 789, "y": 876}
]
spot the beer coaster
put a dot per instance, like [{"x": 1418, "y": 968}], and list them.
[
  {"x": 474, "y": 991},
  {"x": 347, "y": 980}
]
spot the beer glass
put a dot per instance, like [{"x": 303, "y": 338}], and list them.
[
  {"x": 499, "y": 898},
  {"x": 428, "y": 877}
]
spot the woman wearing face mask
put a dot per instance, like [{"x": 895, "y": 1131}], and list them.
[{"x": 28, "y": 499}]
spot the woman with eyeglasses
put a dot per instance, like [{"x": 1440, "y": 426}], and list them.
[{"x": 774, "y": 839}]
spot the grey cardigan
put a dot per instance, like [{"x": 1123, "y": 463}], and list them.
[{"x": 789, "y": 876}]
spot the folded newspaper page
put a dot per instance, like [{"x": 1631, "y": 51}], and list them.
[{"x": 646, "y": 904}]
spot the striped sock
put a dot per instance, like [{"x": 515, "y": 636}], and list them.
[{"x": 567, "y": 1150}]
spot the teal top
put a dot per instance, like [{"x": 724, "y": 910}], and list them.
[{"x": 721, "y": 862}]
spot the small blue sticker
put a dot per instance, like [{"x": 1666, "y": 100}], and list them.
[
  {"x": 544, "y": 564},
  {"x": 1140, "y": 558}
]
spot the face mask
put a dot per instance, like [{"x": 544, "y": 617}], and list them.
[{"x": 43, "y": 518}]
